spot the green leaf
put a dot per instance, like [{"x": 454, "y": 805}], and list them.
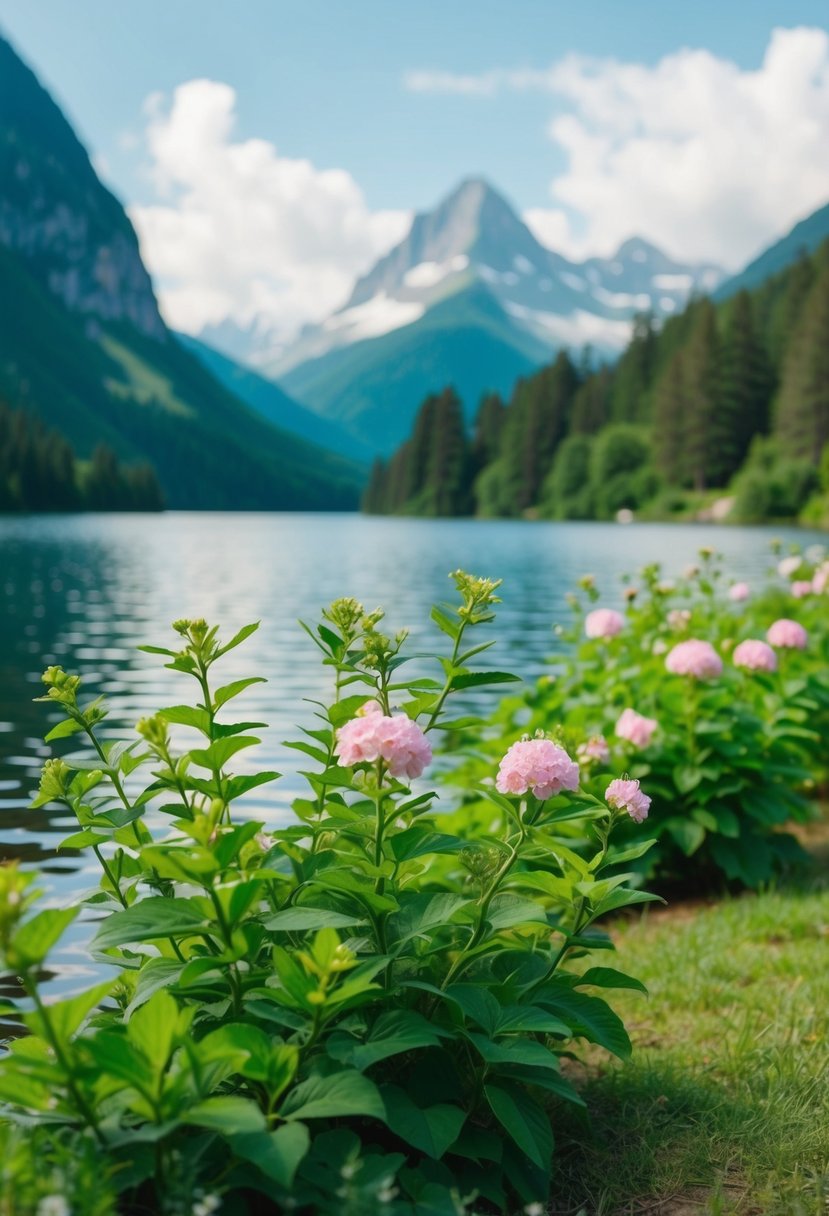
[
  {"x": 341, "y": 1094},
  {"x": 432, "y": 1130},
  {"x": 226, "y": 1114},
  {"x": 476, "y": 679},
  {"x": 418, "y": 841},
  {"x": 609, "y": 977},
  {"x": 63, "y": 730},
  {"x": 228, "y": 691},
  {"x": 36, "y": 937},
  {"x": 152, "y": 1028},
  {"x": 507, "y": 911},
  {"x": 235, "y": 787},
  {"x": 277, "y": 1154},
  {"x": 687, "y": 833},
  {"x": 66, "y": 1016},
  {"x": 152, "y": 918},
  {"x": 300, "y": 918},
  {"x": 477, "y": 1003},
  {"x": 188, "y": 715},
  {"x": 394, "y": 1032},
  {"x": 421, "y": 912},
  {"x": 217, "y": 755},
  {"x": 589, "y": 1016},
  {"x": 447, "y": 624},
  {"x": 687, "y": 777},
  {"x": 157, "y": 973},
  {"x": 523, "y": 1120},
  {"x": 238, "y": 638}
]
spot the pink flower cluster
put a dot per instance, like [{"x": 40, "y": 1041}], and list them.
[
  {"x": 754, "y": 655},
  {"x": 595, "y": 748},
  {"x": 739, "y": 592},
  {"x": 395, "y": 738},
  {"x": 635, "y": 727},
  {"x": 694, "y": 658},
  {"x": 538, "y": 765},
  {"x": 802, "y": 587},
  {"x": 787, "y": 635},
  {"x": 603, "y": 623},
  {"x": 789, "y": 566},
  {"x": 624, "y": 795},
  {"x": 679, "y": 619}
]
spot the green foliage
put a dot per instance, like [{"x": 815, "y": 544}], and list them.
[
  {"x": 732, "y": 760},
  {"x": 39, "y": 472},
  {"x": 699, "y": 393},
  {"x": 362, "y": 1011}
]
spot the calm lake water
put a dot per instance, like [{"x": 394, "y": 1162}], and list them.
[{"x": 84, "y": 591}]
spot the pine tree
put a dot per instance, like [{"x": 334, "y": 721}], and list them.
[
  {"x": 633, "y": 379},
  {"x": 704, "y": 431},
  {"x": 802, "y": 421},
  {"x": 489, "y": 423},
  {"x": 591, "y": 404},
  {"x": 447, "y": 489},
  {"x": 669, "y": 409},
  {"x": 746, "y": 385}
]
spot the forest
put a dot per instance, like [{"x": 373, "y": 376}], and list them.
[
  {"x": 728, "y": 399},
  {"x": 39, "y": 471}
]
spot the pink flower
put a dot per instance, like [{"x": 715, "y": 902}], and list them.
[
  {"x": 595, "y": 748},
  {"x": 603, "y": 623},
  {"x": 636, "y": 728},
  {"x": 396, "y": 739},
  {"x": 679, "y": 618},
  {"x": 739, "y": 592},
  {"x": 538, "y": 765},
  {"x": 801, "y": 587},
  {"x": 789, "y": 565},
  {"x": 624, "y": 795},
  {"x": 694, "y": 658},
  {"x": 787, "y": 635},
  {"x": 821, "y": 580},
  {"x": 754, "y": 655}
]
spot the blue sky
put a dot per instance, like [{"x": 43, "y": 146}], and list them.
[{"x": 331, "y": 85}]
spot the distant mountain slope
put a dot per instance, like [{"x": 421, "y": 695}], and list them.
[
  {"x": 804, "y": 238},
  {"x": 268, "y": 400},
  {"x": 82, "y": 342},
  {"x": 471, "y": 249},
  {"x": 374, "y": 388}
]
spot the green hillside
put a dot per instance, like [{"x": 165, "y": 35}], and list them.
[
  {"x": 374, "y": 387},
  {"x": 156, "y": 402},
  {"x": 267, "y": 399},
  {"x": 83, "y": 346},
  {"x": 727, "y": 401},
  {"x": 803, "y": 239}
]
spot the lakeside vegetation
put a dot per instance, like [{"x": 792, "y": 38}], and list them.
[
  {"x": 725, "y": 399},
  {"x": 378, "y": 1009},
  {"x": 40, "y": 472}
]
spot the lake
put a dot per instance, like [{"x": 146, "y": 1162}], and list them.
[{"x": 84, "y": 591}]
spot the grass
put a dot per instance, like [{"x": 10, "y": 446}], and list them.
[{"x": 724, "y": 1108}]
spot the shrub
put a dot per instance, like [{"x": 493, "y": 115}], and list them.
[
  {"x": 361, "y": 1012},
  {"x": 736, "y": 750}
]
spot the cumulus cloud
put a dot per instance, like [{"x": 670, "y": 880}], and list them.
[
  {"x": 708, "y": 160},
  {"x": 238, "y": 232}
]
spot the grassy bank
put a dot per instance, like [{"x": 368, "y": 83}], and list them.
[{"x": 725, "y": 1107}]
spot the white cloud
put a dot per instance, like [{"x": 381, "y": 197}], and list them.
[
  {"x": 239, "y": 232},
  {"x": 707, "y": 160}
]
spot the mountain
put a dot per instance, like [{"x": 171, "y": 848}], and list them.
[
  {"x": 804, "y": 238},
  {"x": 83, "y": 344},
  {"x": 267, "y": 399},
  {"x": 471, "y": 298}
]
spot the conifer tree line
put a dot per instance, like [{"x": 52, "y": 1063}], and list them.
[
  {"x": 724, "y": 396},
  {"x": 40, "y": 472}
]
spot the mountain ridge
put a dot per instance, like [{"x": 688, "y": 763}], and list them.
[{"x": 84, "y": 345}]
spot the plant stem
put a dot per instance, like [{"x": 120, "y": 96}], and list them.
[{"x": 81, "y": 1103}]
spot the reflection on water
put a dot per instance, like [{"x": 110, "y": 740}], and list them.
[{"x": 85, "y": 591}]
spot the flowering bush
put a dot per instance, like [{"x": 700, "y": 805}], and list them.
[
  {"x": 361, "y": 1012},
  {"x": 724, "y": 729}
]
